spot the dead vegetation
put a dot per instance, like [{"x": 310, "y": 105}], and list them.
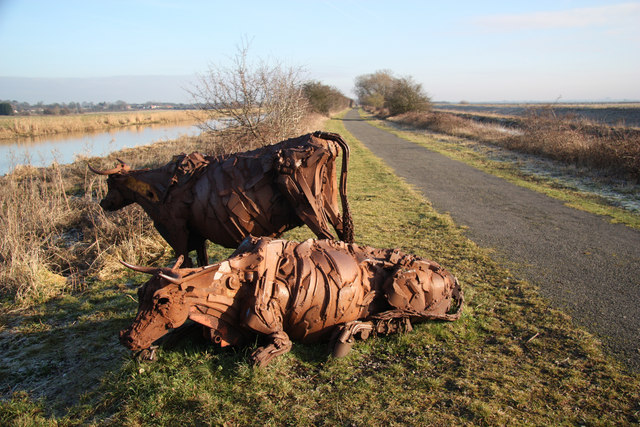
[
  {"x": 55, "y": 235},
  {"x": 542, "y": 131}
]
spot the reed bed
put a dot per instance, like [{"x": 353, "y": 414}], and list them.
[
  {"x": 565, "y": 138},
  {"x": 30, "y": 126},
  {"x": 55, "y": 236}
]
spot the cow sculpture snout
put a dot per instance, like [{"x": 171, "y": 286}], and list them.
[
  {"x": 110, "y": 204},
  {"x": 126, "y": 339},
  {"x": 160, "y": 308}
]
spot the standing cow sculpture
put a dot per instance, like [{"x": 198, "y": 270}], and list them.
[
  {"x": 306, "y": 291},
  {"x": 262, "y": 192}
]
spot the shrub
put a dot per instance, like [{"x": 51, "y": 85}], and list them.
[
  {"x": 382, "y": 91},
  {"x": 324, "y": 99},
  {"x": 373, "y": 89},
  {"x": 406, "y": 95}
]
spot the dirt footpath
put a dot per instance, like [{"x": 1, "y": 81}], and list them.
[{"x": 586, "y": 266}]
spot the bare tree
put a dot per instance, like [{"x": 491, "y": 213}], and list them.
[
  {"x": 262, "y": 102},
  {"x": 374, "y": 89}
]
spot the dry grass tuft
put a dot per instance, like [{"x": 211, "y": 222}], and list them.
[
  {"x": 55, "y": 235},
  {"x": 35, "y": 211}
]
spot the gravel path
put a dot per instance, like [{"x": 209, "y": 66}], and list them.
[{"x": 586, "y": 266}]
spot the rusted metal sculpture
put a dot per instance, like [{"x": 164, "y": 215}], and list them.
[
  {"x": 226, "y": 198},
  {"x": 305, "y": 291}
]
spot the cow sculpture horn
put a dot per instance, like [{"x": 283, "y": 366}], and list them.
[
  {"x": 171, "y": 279},
  {"x": 122, "y": 167},
  {"x": 147, "y": 270},
  {"x": 164, "y": 272}
]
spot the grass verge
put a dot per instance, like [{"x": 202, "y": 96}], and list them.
[
  {"x": 452, "y": 147},
  {"x": 509, "y": 360}
]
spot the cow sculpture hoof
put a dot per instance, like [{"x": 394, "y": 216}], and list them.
[
  {"x": 347, "y": 334},
  {"x": 146, "y": 354},
  {"x": 263, "y": 355}
]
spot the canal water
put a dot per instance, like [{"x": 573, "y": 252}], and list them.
[{"x": 43, "y": 151}]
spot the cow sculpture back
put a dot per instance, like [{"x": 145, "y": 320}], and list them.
[{"x": 226, "y": 198}]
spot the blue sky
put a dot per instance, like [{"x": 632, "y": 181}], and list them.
[{"x": 459, "y": 50}]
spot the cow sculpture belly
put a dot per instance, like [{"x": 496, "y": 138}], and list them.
[{"x": 307, "y": 292}]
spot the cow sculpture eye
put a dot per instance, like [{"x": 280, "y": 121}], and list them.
[{"x": 162, "y": 301}]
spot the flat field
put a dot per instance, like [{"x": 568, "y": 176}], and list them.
[{"x": 612, "y": 114}]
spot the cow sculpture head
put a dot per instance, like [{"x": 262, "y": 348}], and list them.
[
  {"x": 125, "y": 186},
  {"x": 161, "y": 306}
]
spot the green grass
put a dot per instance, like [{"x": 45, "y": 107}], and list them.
[
  {"x": 450, "y": 147},
  {"x": 510, "y": 359}
]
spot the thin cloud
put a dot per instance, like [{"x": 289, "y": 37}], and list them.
[{"x": 617, "y": 15}]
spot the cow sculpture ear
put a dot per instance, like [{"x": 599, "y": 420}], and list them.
[
  {"x": 123, "y": 166},
  {"x": 178, "y": 263}
]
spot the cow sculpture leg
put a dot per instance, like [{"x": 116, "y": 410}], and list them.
[
  {"x": 280, "y": 344},
  {"x": 201, "y": 250},
  {"x": 267, "y": 321},
  {"x": 347, "y": 333}
]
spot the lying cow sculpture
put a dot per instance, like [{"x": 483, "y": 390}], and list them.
[
  {"x": 306, "y": 291},
  {"x": 226, "y": 198}
]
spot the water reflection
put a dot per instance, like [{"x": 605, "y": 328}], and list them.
[{"x": 42, "y": 151}]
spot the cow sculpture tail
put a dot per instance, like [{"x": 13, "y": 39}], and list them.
[{"x": 347, "y": 221}]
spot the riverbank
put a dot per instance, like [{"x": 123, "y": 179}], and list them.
[{"x": 30, "y": 126}]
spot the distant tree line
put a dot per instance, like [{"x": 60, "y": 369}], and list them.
[
  {"x": 387, "y": 94},
  {"x": 24, "y": 108},
  {"x": 6, "y": 109}
]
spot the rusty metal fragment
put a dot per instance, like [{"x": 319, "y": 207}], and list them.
[
  {"x": 226, "y": 198},
  {"x": 309, "y": 291}
]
